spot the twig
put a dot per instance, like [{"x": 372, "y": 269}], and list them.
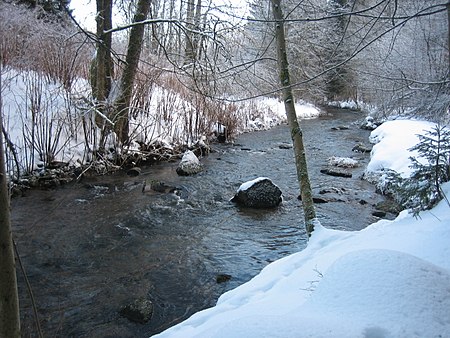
[
  {"x": 30, "y": 292},
  {"x": 445, "y": 196},
  {"x": 85, "y": 170},
  {"x": 11, "y": 147}
]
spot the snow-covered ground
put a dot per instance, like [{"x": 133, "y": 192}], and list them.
[
  {"x": 392, "y": 141},
  {"x": 390, "y": 280}
]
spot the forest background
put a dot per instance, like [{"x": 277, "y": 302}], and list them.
[{"x": 199, "y": 67}]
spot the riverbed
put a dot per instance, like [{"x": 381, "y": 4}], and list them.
[{"x": 91, "y": 247}]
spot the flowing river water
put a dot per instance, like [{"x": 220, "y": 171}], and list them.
[{"x": 92, "y": 247}]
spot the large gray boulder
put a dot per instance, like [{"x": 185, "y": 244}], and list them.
[
  {"x": 189, "y": 165},
  {"x": 258, "y": 193}
]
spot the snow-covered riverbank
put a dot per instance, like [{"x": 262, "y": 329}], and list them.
[
  {"x": 48, "y": 125},
  {"x": 389, "y": 280}
]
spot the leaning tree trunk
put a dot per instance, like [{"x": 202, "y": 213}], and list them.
[
  {"x": 122, "y": 103},
  {"x": 9, "y": 301},
  {"x": 296, "y": 132}
]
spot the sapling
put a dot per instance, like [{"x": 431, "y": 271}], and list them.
[{"x": 431, "y": 168}]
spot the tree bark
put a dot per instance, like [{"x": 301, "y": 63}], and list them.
[
  {"x": 296, "y": 132},
  {"x": 122, "y": 103},
  {"x": 102, "y": 68},
  {"x": 448, "y": 36},
  {"x": 189, "y": 53},
  {"x": 9, "y": 301}
]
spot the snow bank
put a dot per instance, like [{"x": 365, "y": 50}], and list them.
[
  {"x": 392, "y": 140},
  {"x": 38, "y": 110},
  {"x": 271, "y": 112},
  {"x": 247, "y": 185},
  {"x": 306, "y": 110}
]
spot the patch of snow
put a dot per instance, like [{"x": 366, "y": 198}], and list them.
[
  {"x": 189, "y": 158},
  {"x": 35, "y": 108},
  {"x": 344, "y": 162},
  {"x": 306, "y": 110},
  {"x": 269, "y": 112},
  {"x": 393, "y": 139},
  {"x": 349, "y": 104},
  {"x": 246, "y": 185},
  {"x": 370, "y": 123}
]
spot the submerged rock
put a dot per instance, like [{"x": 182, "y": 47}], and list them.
[
  {"x": 285, "y": 146},
  {"x": 133, "y": 172},
  {"x": 189, "y": 165},
  {"x": 259, "y": 193},
  {"x": 157, "y": 186},
  {"x": 340, "y": 128},
  {"x": 379, "y": 213},
  {"x": 222, "y": 278},
  {"x": 322, "y": 200},
  {"x": 360, "y": 148},
  {"x": 389, "y": 206},
  {"x": 140, "y": 311},
  {"x": 336, "y": 172}
]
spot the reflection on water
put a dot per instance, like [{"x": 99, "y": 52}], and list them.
[{"x": 93, "y": 247}]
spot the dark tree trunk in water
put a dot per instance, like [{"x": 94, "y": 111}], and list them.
[
  {"x": 122, "y": 103},
  {"x": 9, "y": 302},
  {"x": 296, "y": 132}
]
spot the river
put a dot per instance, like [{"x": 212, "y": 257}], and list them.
[{"x": 89, "y": 248}]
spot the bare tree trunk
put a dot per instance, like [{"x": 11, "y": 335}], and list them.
[
  {"x": 189, "y": 54},
  {"x": 197, "y": 23},
  {"x": 448, "y": 37},
  {"x": 122, "y": 103},
  {"x": 9, "y": 301},
  {"x": 102, "y": 70},
  {"x": 296, "y": 132}
]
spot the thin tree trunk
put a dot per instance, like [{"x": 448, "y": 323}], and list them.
[
  {"x": 9, "y": 301},
  {"x": 296, "y": 132},
  {"x": 189, "y": 53},
  {"x": 122, "y": 103},
  {"x": 448, "y": 36},
  {"x": 197, "y": 23},
  {"x": 102, "y": 70}
]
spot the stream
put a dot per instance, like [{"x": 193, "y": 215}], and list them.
[{"x": 90, "y": 248}]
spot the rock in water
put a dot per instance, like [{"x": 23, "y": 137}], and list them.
[
  {"x": 336, "y": 172},
  {"x": 135, "y": 171},
  {"x": 259, "y": 193},
  {"x": 140, "y": 311},
  {"x": 222, "y": 278},
  {"x": 189, "y": 165},
  {"x": 360, "y": 148}
]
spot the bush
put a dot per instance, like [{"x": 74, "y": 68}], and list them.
[{"x": 422, "y": 190}]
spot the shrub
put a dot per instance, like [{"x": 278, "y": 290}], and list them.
[{"x": 422, "y": 190}]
